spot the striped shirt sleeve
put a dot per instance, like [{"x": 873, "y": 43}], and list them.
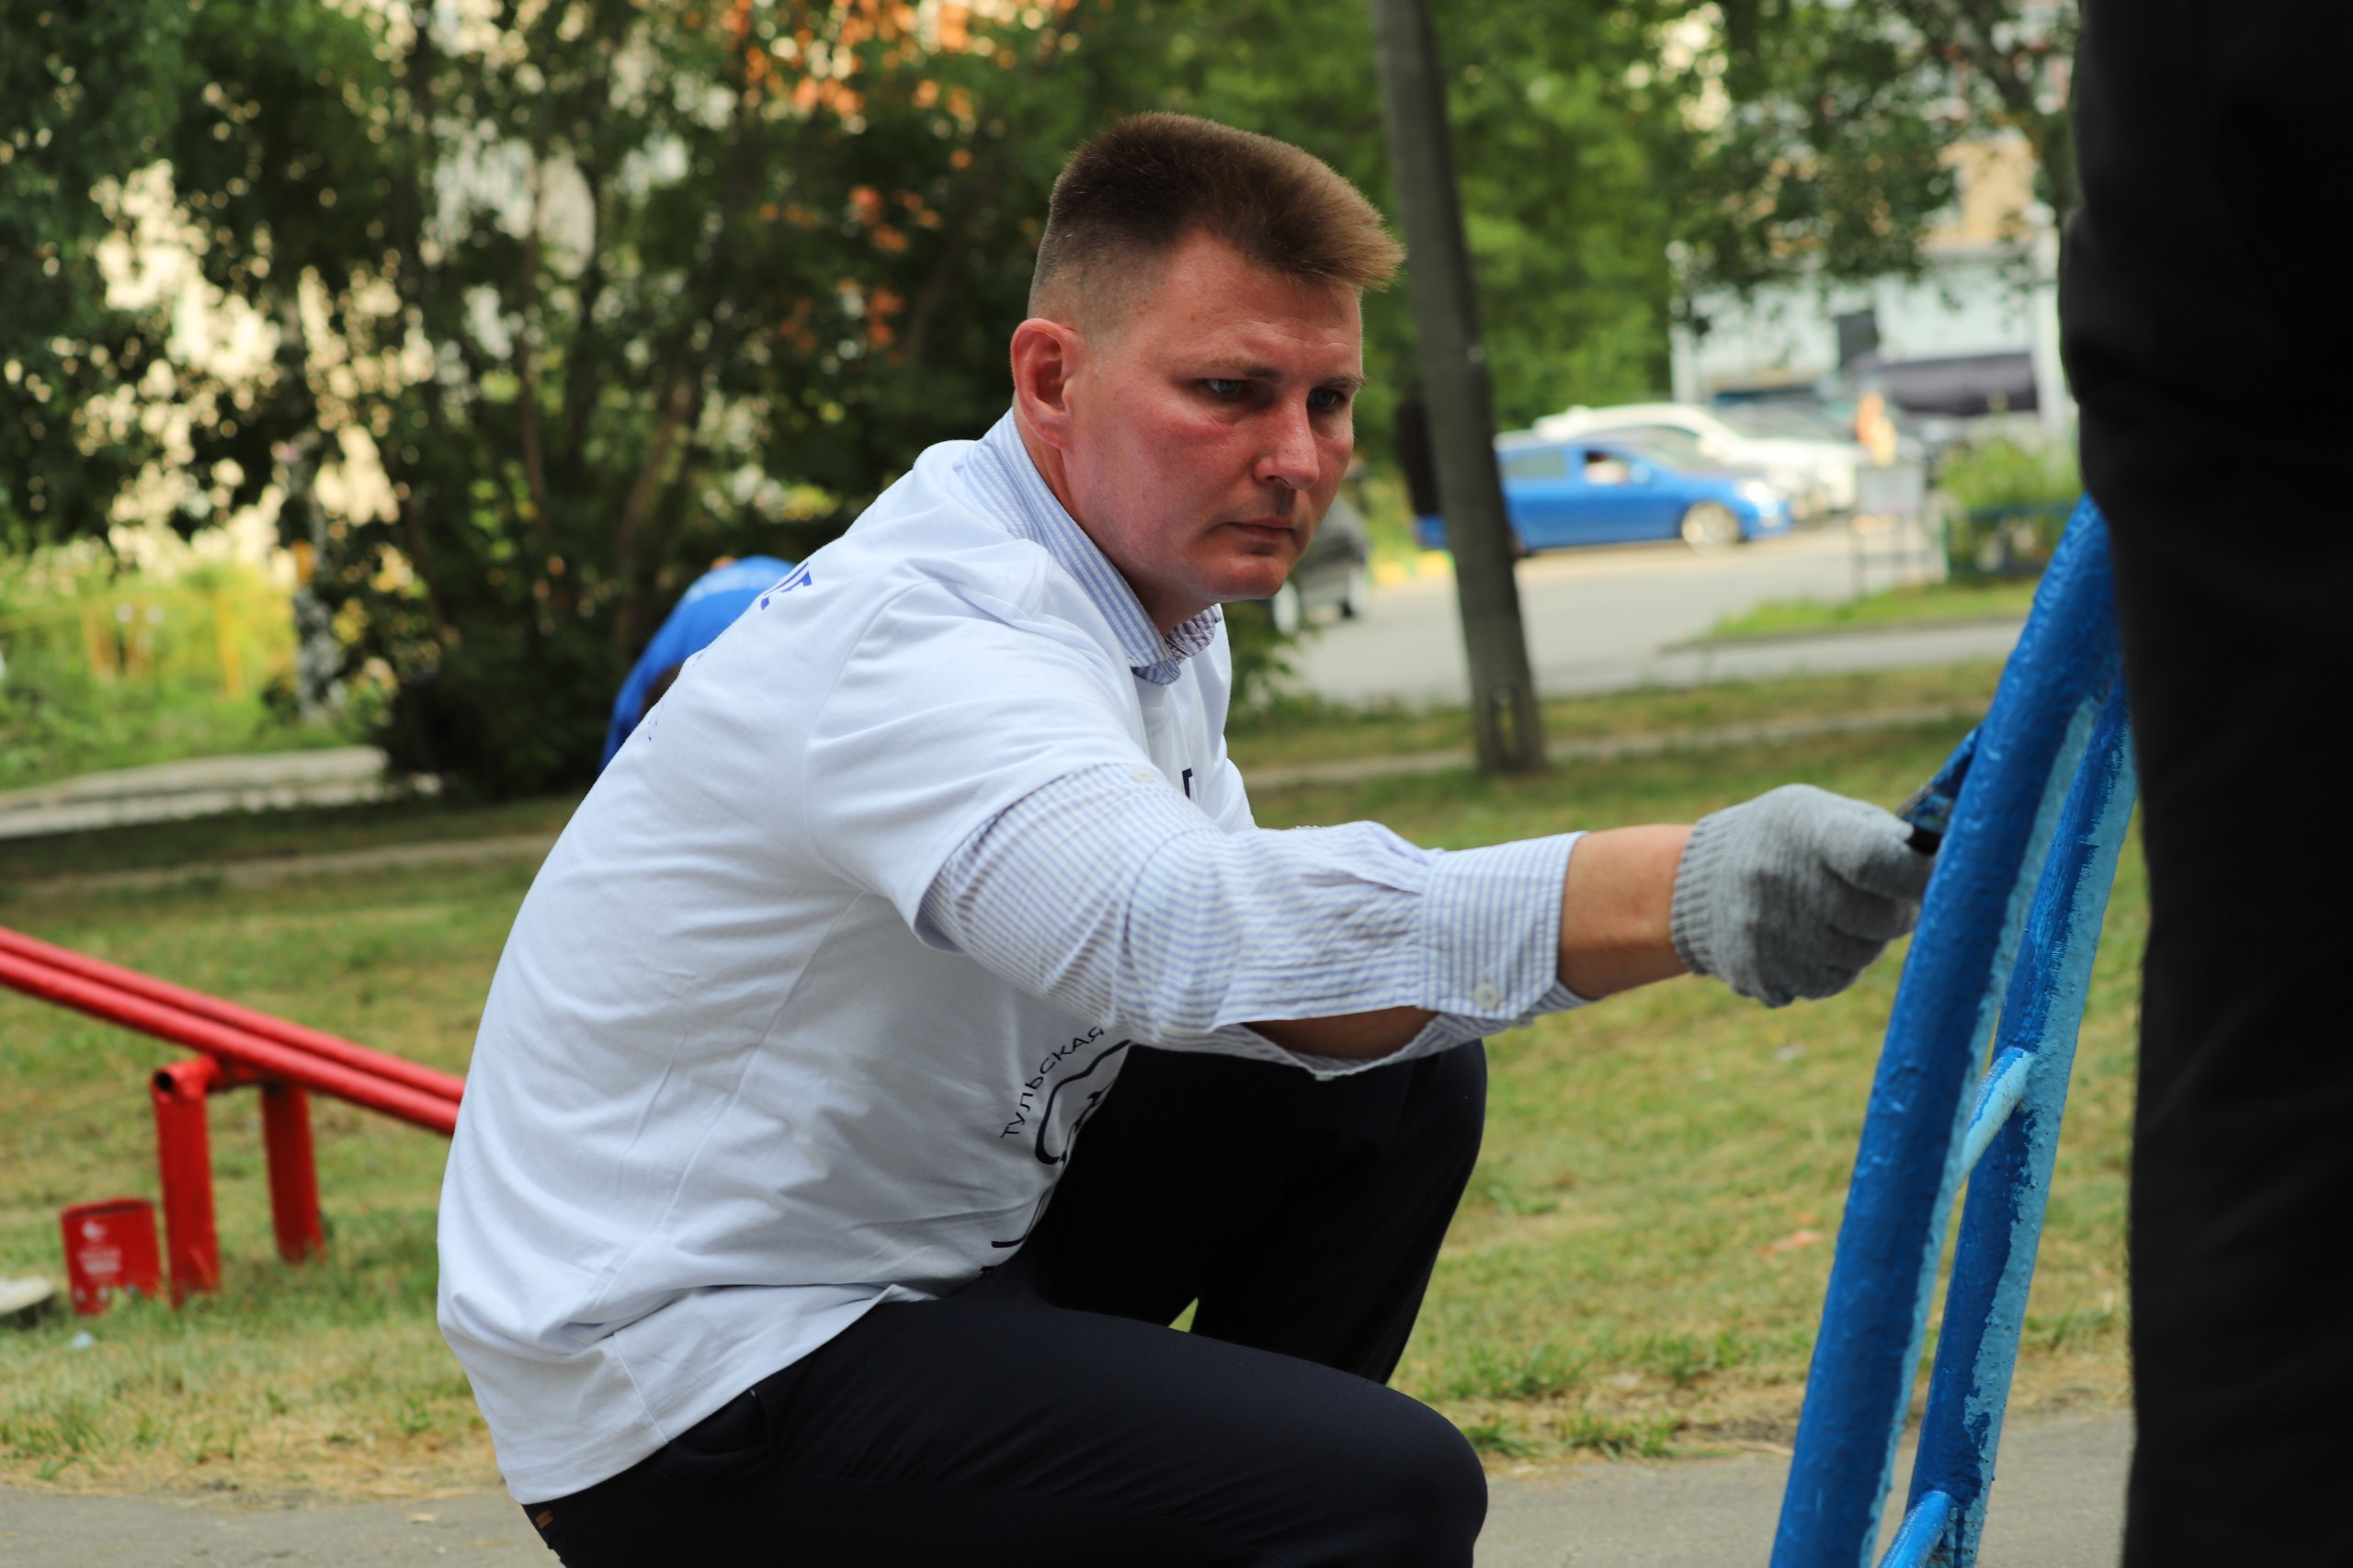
[{"x": 1107, "y": 892}]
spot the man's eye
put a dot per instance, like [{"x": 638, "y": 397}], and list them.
[
  {"x": 1327, "y": 399},
  {"x": 1227, "y": 388}
]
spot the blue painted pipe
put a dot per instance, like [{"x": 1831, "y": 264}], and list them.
[
  {"x": 2002, "y": 1223},
  {"x": 2005, "y": 1084},
  {"x": 1920, "y": 1544},
  {"x": 1876, "y": 1309}
]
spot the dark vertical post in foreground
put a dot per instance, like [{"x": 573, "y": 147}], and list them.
[{"x": 1507, "y": 726}]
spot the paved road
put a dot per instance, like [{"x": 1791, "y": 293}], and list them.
[
  {"x": 1607, "y": 619},
  {"x": 2059, "y": 1505}
]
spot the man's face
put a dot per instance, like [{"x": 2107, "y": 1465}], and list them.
[{"x": 1209, "y": 425}]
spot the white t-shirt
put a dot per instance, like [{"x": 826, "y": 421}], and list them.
[
  {"x": 714, "y": 1003},
  {"x": 732, "y": 1089}
]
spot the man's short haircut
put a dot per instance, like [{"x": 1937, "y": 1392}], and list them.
[{"x": 1132, "y": 194}]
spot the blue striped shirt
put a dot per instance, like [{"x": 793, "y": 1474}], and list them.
[{"x": 1111, "y": 893}]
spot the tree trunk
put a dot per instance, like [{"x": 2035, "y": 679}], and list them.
[{"x": 1506, "y": 721}]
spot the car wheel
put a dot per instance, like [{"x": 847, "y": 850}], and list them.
[
  {"x": 1356, "y": 599},
  {"x": 1285, "y": 610},
  {"x": 1709, "y": 526}
]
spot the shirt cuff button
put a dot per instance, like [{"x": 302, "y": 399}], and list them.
[{"x": 1487, "y": 996}]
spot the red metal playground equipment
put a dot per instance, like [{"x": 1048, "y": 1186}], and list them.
[{"x": 235, "y": 1047}]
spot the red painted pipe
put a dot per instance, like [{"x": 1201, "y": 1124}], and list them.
[
  {"x": 183, "y": 1161},
  {"x": 293, "y": 1171},
  {"x": 327, "y": 1047},
  {"x": 235, "y": 1046}
]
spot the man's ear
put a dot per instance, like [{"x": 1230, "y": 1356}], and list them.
[{"x": 1047, "y": 355}]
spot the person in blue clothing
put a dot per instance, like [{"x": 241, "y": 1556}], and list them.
[{"x": 709, "y": 608}]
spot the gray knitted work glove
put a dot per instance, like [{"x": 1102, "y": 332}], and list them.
[{"x": 1795, "y": 892}]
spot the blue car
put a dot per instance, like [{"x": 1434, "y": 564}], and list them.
[{"x": 1618, "y": 490}]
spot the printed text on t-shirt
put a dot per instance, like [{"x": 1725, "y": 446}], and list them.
[{"x": 1053, "y": 1060}]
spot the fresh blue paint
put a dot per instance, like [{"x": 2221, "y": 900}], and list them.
[
  {"x": 1619, "y": 490},
  {"x": 2002, "y": 1221},
  {"x": 2004, "y": 815},
  {"x": 1920, "y": 1544},
  {"x": 2004, "y": 1085}
]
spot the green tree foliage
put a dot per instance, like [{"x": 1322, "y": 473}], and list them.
[
  {"x": 611, "y": 289},
  {"x": 575, "y": 295},
  {"x": 73, "y": 121},
  {"x": 1826, "y": 127},
  {"x": 1566, "y": 145}
]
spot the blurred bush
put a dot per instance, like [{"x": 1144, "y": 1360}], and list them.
[
  {"x": 103, "y": 669},
  {"x": 2009, "y": 502}
]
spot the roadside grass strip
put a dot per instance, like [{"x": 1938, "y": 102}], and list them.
[{"x": 1920, "y": 604}]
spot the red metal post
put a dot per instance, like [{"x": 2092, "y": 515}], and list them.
[
  {"x": 293, "y": 1176},
  {"x": 183, "y": 1153}
]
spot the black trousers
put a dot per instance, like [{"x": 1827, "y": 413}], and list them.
[
  {"x": 2208, "y": 331},
  {"x": 1047, "y": 1416}
]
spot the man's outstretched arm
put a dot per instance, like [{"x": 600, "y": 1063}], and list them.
[
  {"x": 1792, "y": 894},
  {"x": 1112, "y": 895},
  {"x": 1617, "y": 904}
]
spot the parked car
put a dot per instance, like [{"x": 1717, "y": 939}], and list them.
[
  {"x": 1622, "y": 490},
  {"x": 1334, "y": 573},
  {"x": 1816, "y": 412},
  {"x": 1815, "y": 469}
]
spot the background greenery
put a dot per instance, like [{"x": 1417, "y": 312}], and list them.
[
  {"x": 545, "y": 303},
  {"x": 2009, "y": 502},
  {"x": 106, "y": 668}
]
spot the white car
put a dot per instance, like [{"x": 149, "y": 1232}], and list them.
[{"x": 1817, "y": 472}]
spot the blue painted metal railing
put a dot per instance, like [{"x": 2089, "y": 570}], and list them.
[{"x": 2031, "y": 811}]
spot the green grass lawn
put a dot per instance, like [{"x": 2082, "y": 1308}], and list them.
[
  {"x": 1923, "y": 604},
  {"x": 1637, "y": 1270}
]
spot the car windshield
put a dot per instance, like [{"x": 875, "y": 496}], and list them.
[
  {"x": 1662, "y": 443},
  {"x": 1668, "y": 450},
  {"x": 1803, "y": 422}
]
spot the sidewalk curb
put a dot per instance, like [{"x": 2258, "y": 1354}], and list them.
[
  {"x": 337, "y": 862},
  {"x": 1824, "y": 633},
  {"x": 1293, "y": 775},
  {"x": 1604, "y": 749}
]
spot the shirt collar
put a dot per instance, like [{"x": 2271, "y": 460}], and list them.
[{"x": 1026, "y": 505}]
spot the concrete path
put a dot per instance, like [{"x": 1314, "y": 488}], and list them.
[
  {"x": 204, "y": 787},
  {"x": 2058, "y": 1504},
  {"x": 40, "y": 1531},
  {"x": 326, "y": 863},
  {"x": 1610, "y": 620}
]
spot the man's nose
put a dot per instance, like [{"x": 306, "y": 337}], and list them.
[{"x": 1290, "y": 457}]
